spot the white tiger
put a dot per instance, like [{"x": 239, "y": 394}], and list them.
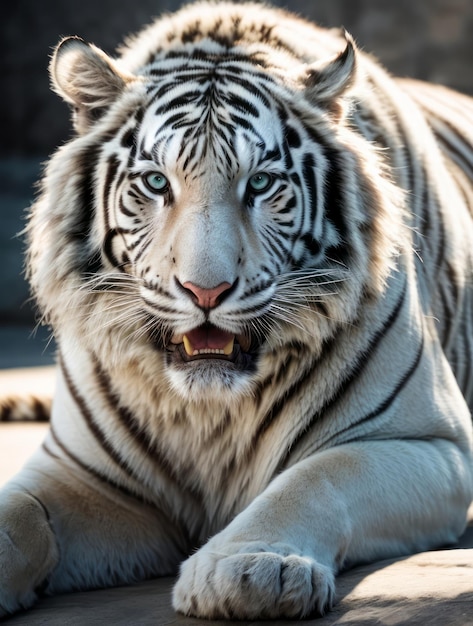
[{"x": 256, "y": 258}]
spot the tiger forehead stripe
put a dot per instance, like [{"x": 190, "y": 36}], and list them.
[{"x": 209, "y": 116}]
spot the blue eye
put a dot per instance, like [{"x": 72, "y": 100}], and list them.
[
  {"x": 259, "y": 182},
  {"x": 156, "y": 182}
]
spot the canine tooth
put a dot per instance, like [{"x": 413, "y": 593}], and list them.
[
  {"x": 228, "y": 348},
  {"x": 187, "y": 346},
  {"x": 244, "y": 342}
]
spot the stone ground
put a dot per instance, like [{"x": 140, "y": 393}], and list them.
[{"x": 434, "y": 588}]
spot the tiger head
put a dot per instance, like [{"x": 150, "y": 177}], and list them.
[{"x": 214, "y": 207}]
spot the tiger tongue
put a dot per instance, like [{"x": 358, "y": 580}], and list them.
[{"x": 208, "y": 338}]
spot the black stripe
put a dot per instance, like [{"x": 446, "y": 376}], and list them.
[
  {"x": 111, "y": 233},
  {"x": 291, "y": 204},
  {"x": 312, "y": 246},
  {"x": 134, "y": 244},
  {"x": 275, "y": 410},
  {"x": 242, "y": 122},
  {"x": 388, "y": 107},
  {"x": 310, "y": 185},
  {"x": 124, "y": 209},
  {"x": 94, "y": 428},
  {"x": 157, "y": 307},
  {"x": 142, "y": 250},
  {"x": 88, "y": 262},
  {"x": 112, "y": 168},
  {"x": 253, "y": 88},
  {"x": 386, "y": 403},
  {"x": 273, "y": 244},
  {"x": 107, "y": 247},
  {"x": 89, "y": 469},
  {"x": 190, "y": 156},
  {"x": 334, "y": 186},
  {"x": 182, "y": 100},
  {"x": 84, "y": 192},
  {"x": 456, "y": 153},
  {"x": 337, "y": 164},
  {"x": 261, "y": 306},
  {"x": 367, "y": 354},
  {"x": 356, "y": 371},
  {"x": 463, "y": 185},
  {"x": 292, "y": 137},
  {"x": 240, "y": 104},
  {"x": 142, "y": 439},
  {"x": 440, "y": 244}
]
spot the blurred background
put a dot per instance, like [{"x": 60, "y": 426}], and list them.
[{"x": 427, "y": 39}]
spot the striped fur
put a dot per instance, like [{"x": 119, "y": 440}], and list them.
[{"x": 250, "y": 185}]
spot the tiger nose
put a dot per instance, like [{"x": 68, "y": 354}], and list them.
[{"x": 208, "y": 298}]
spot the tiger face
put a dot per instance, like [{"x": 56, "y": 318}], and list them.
[
  {"x": 208, "y": 224},
  {"x": 223, "y": 204}
]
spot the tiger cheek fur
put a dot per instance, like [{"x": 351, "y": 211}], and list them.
[{"x": 261, "y": 303}]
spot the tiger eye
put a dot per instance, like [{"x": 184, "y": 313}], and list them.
[
  {"x": 156, "y": 182},
  {"x": 260, "y": 182}
]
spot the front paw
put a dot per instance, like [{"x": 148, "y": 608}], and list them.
[
  {"x": 252, "y": 581},
  {"x": 28, "y": 550}
]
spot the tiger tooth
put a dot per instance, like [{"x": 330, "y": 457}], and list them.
[
  {"x": 187, "y": 346},
  {"x": 244, "y": 342},
  {"x": 228, "y": 348}
]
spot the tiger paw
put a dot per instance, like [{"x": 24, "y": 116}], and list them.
[
  {"x": 251, "y": 582},
  {"x": 28, "y": 550}
]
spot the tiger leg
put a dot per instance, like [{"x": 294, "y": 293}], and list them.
[
  {"x": 358, "y": 501},
  {"x": 60, "y": 530}
]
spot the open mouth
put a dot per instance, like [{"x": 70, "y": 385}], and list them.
[{"x": 210, "y": 343}]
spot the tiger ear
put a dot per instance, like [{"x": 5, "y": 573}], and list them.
[
  {"x": 325, "y": 82},
  {"x": 86, "y": 78}
]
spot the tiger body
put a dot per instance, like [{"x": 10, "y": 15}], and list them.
[{"x": 256, "y": 257}]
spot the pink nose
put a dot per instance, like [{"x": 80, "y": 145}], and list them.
[{"x": 207, "y": 298}]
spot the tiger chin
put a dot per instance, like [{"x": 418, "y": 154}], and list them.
[{"x": 255, "y": 255}]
